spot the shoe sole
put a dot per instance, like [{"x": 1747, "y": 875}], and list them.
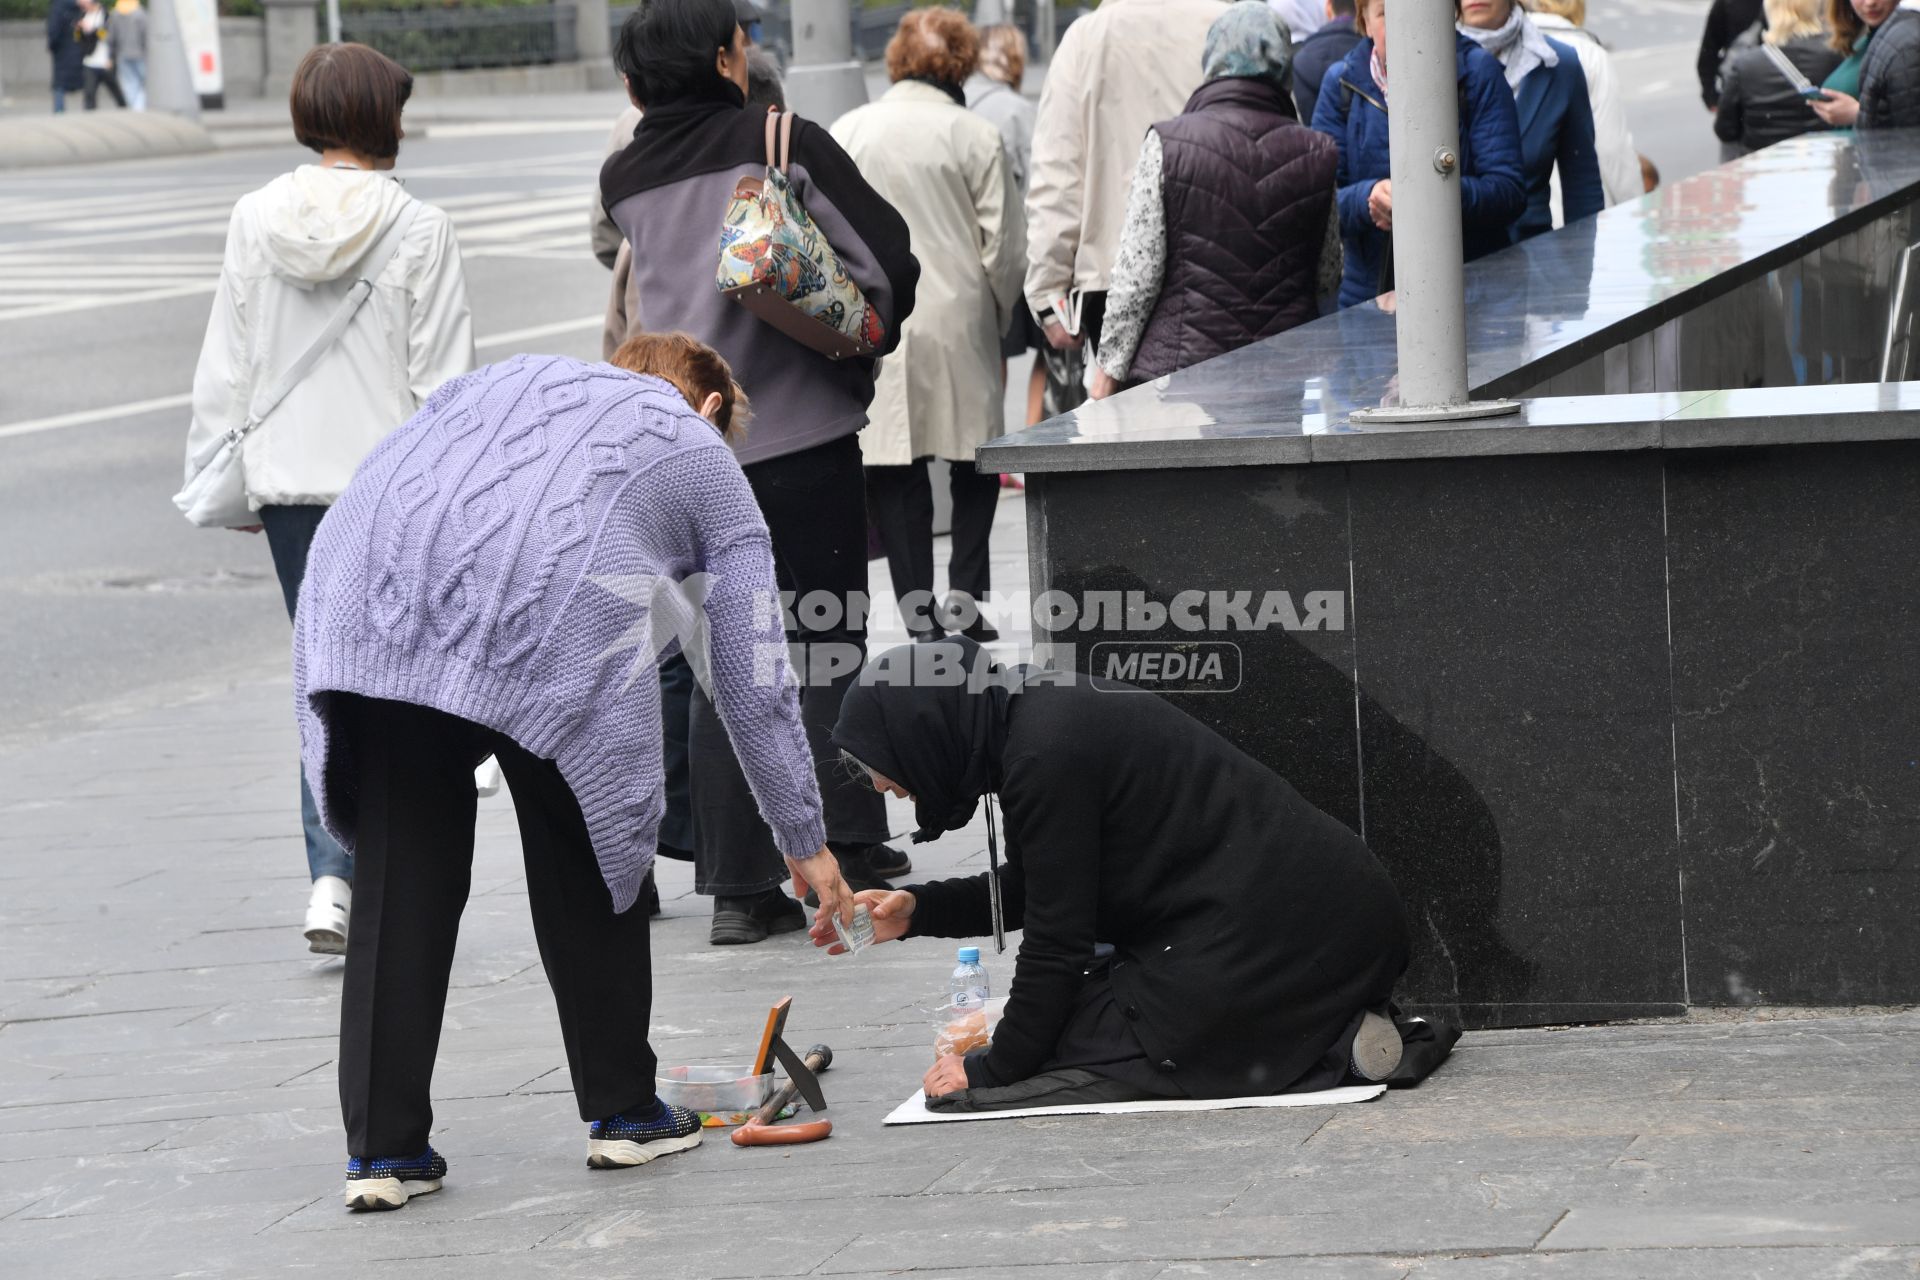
[
  {"x": 387, "y": 1193},
  {"x": 1376, "y": 1047},
  {"x": 326, "y": 942},
  {"x": 621, "y": 1153}
]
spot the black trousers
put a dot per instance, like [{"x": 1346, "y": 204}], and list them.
[
  {"x": 96, "y": 80},
  {"x": 815, "y": 506},
  {"x": 901, "y": 501},
  {"x": 410, "y": 779}
]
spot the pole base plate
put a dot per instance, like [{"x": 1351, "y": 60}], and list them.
[{"x": 1414, "y": 414}]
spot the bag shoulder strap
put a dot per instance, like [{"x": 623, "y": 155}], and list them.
[
  {"x": 773, "y": 138},
  {"x": 786, "y": 140},
  {"x": 370, "y": 270},
  {"x": 1787, "y": 69}
]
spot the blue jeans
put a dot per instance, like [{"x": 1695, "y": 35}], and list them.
[
  {"x": 133, "y": 80},
  {"x": 290, "y": 532}
]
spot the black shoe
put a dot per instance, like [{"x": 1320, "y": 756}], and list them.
[
  {"x": 888, "y": 862},
  {"x": 650, "y": 894},
  {"x": 741, "y": 921},
  {"x": 980, "y": 632}
]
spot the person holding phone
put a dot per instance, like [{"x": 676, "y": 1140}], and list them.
[
  {"x": 1760, "y": 102},
  {"x": 1878, "y": 85}
]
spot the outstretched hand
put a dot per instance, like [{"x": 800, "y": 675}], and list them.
[
  {"x": 822, "y": 872},
  {"x": 892, "y": 911}
]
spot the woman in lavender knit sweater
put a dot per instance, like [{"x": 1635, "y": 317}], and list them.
[{"x": 498, "y": 579}]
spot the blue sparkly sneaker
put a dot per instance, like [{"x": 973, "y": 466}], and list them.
[
  {"x": 620, "y": 1142},
  {"x": 388, "y": 1182}
]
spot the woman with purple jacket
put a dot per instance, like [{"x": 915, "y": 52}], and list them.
[{"x": 501, "y": 578}]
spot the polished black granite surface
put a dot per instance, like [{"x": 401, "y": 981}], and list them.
[
  {"x": 1796, "y": 699},
  {"x": 1540, "y": 310},
  {"x": 1623, "y": 688},
  {"x": 1632, "y": 730}
]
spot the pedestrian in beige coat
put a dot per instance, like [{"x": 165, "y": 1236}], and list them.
[
  {"x": 1120, "y": 69},
  {"x": 940, "y": 395}
]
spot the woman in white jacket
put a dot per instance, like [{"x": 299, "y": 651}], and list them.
[
  {"x": 944, "y": 168},
  {"x": 294, "y": 249},
  {"x": 1564, "y": 20}
]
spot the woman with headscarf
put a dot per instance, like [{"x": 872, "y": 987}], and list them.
[
  {"x": 1556, "y": 114},
  {"x": 1352, "y": 109},
  {"x": 1254, "y": 941},
  {"x": 1231, "y": 234}
]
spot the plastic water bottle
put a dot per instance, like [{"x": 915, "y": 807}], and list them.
[{"x": 968, "y": 987}]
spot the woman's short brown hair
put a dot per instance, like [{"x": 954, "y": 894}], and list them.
[
  {"x": 349, "y": 97},
  {"x": 693, "y": 367},
  {"x": 937, "y": 44}
]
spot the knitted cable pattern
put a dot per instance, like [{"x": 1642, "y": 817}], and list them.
[{"x": 501, "y": 557}]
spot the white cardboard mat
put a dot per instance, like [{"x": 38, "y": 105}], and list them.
[{"x": 914, "y": 1109}]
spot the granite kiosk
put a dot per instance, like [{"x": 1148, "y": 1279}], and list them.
[{"x": 1624, "y": 688}]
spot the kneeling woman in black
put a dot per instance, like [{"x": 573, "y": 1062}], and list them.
[{"x": 1192, "y": 927}]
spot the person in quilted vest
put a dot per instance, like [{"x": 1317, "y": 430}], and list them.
[
  {"x": 502, "y": 577},
  {"x": 1231, "y": 234}
]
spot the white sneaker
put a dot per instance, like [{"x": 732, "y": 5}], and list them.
[{"x": 327, "y": 916}]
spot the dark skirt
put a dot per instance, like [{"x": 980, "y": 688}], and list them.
[{"x": 1023, "y": 335}]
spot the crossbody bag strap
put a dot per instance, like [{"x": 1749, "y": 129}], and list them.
[{"x": 371, "y": 267}]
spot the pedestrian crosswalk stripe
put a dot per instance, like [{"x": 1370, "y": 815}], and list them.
[
  {"x": 67, "y": 270},
  {"x": 511, "y": 339}
]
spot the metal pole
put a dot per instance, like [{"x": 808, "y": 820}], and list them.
[
  {"x": 169, "y": 71},
  {"x": 1423, "y": 129},
  {"x": 824, "y": 82}
]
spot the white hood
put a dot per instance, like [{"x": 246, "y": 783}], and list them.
[{"x": 317, "y": 223}]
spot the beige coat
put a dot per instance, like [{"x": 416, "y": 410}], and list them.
[
  {"x": 944, "y": 169},
  {"x": 1124, "y": 67}
]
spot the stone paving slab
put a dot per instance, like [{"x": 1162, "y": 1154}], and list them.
[{"x": 167, "y": 1099}]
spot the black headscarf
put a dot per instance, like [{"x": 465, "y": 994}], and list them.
[{"x": 932, "y": 717}]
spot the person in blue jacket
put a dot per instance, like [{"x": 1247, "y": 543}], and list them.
[
  {"x": 1352, "y": 107},
  {"x": 1556, "y": 119},
  {"x": 66, "y": 50}
]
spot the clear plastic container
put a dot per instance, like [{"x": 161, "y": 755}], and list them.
[
  {"x": 722, "y": 1095},
  {"x": 858, "y": 936}
]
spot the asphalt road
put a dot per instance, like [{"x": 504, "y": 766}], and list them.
[
  {"x": 1654, "y": 43},
  {"x": 108, "y": 599}
]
